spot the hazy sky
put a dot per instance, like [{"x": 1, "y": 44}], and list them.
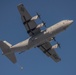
[{"x": 34, "y": 61}]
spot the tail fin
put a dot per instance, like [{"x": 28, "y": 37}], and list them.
[{"x": 5, "y": 46}]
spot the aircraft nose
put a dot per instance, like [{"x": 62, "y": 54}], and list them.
[{"x": 70, "y": 21}]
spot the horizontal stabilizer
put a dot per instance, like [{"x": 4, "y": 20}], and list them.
[{"x": 5, "y": 46}]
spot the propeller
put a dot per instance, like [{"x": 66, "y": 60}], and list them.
[
  {"x": 38, "y": 15},
  {"x": 44, "y": 23},
  {"x": 40, "y": 18},
  {"x": 57, "y": 42},
  {"x": 59, "y": 45},
  {"x": 54, "y": 39}
]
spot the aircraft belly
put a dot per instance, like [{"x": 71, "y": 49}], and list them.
[
  {"x": 20, "y": 46},
  {"x": 37, "y": 40}
]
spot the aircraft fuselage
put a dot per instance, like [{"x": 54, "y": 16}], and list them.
[{"x": 42, "y": 37}]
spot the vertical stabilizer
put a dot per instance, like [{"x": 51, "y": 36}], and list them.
[{"x": 5, "y": 46}]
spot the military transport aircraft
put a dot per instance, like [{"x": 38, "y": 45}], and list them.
[{"x": 38, "y": 38}]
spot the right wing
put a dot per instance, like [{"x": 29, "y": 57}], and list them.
[
  {"x": 29, "y": 25},
  {"x": 46, "y": 48}
]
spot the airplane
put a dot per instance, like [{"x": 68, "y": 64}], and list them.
[{"x": 38, "y": 38}]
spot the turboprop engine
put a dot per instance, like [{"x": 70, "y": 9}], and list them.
[
  {"x": 31, "y": 19},
  {"x": 40, "y": 25},
  {"x": 34, "y": 18},
  {"x": 55, "y": 46}
]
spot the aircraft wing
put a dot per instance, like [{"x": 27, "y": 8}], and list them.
[
  {"x": 46, "y": 48},
  {"x": 29, "y": 25}
]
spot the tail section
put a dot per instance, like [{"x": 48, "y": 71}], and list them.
[{"x": 5, "y": 46}]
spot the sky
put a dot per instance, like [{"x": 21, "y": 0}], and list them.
[{"x": 33, "y": 61}]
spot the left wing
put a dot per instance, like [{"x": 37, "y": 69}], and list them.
[
  {"x": 47, "y": 49},
  {"x": 29, "y": 24}
]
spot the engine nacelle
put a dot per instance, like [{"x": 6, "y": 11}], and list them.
[
  {"x": 40, "y": 25},
  {"x": 27, "y": 21},
  {"x": 54, "y": 46},
  {"x": 35, "y": 17}
]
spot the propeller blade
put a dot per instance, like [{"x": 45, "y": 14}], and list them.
[
  {"x": 54, "y": 39},
  {"x": 57, "y": 42},
  {"x": 59, "y": 45},
  {"x": 44, "y": 23},
  {"x": 38, "y": 15}
]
